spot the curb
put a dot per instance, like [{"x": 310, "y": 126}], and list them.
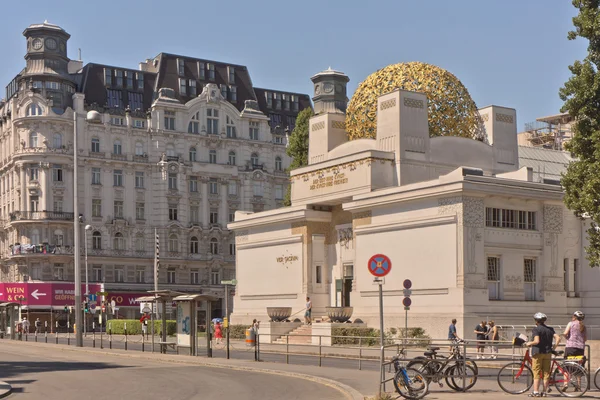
[
  {"x": 346, "y": 390},
  {"x": 5, "y": 389}
]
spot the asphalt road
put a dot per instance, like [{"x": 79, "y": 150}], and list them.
[{"x": 46, "y": 372}]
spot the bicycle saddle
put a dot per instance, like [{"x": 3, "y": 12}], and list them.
[
  {"x": 558, "y": 353},
  {"x": 429, "y": 353},
  {"x": 433, "y": 349}
]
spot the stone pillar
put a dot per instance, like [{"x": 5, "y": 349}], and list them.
[
  {"x": 223, "y": 205},
  {"x": 23, "y": 189},
  {"x": 45, "y": 178},
  {"x": 205, "y": 222}
]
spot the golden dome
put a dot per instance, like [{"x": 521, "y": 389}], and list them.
[{"x": 452, "y": 112}]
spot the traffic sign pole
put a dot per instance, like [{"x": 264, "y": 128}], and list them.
[{"x": 407, "y": 302}]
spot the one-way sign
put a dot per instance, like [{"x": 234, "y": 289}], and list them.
[{"x": 36, "y": 294}]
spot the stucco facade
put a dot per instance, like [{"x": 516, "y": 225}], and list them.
[{"x": 474, "y": 232}]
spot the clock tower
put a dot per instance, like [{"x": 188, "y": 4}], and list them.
[{"x": 330, "y": 92}]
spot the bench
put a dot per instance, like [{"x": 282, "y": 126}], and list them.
[
  {"x": 181, "y": 346},
  {"x": 164, "y": 345}
]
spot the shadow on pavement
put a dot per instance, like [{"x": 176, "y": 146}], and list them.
[{"x": 9, "y": 369}]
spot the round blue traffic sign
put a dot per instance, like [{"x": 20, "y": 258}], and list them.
[{"x": 379, "y": 265}]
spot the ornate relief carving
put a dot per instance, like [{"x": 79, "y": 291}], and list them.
[
  {"x": 241, "y": 236},
  {"x": 388, "y": 104},
  {"x": 345, "y": 236},
  {"x": 504, "y": 118},
  {"x": 553, "y": 218},
  {"x": 513, "y": 282},
  {"x": 413, "y": 103},
  {"x": 338, "y": 124},
  {"x": 485, "y": 117},
  {"x": 318, "y": 126},
  {"x": 474, "y": 211}
]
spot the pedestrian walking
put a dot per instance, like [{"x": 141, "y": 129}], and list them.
[
  {"x": 38, "y": 326},
  {"x": 493, "y": 337},
  {"x": 452, "y": 335},
  {"x": 308, "y": 312},
  {"x": 480, "y": 332},
  {"x": 25, "y": 325},
  {"x": 218, "y": 333},
  {"x": 541, "y": 353}
]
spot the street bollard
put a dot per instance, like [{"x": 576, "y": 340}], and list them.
[
  {"x": 109, "y": 336},
  {"x": 143, "y": 342},
  {"x": 319, "y": 350},
  {"x": 26, "y": 336},
  {"x": 125, "y": 330},
  {"x": 46, "y": 331},
  {"x": 68, "y": 333},
  {"x": 35, "y": 338},
  {"x": 94, "y": 335},
  {"x": 56, "y": 337}
]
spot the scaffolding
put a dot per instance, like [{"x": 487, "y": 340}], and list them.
[{"x": 551, "y": 132}]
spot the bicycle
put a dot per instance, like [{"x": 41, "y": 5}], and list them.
[
  {"x": 567, "y": 377},
  {"x": 452, "y": 369},
  {"x": 409, "y": 382}
]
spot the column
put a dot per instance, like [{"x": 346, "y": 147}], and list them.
[
  {"x": 23, "y": 190},
  {"x": 45, "y": 185},
  {"x": 223, "y": 211},
  {"x": 205, "y": 221}
]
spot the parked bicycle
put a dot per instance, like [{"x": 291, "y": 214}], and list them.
[
  {"x": 409, "y": 382},
  {"x": 459, "y": 373},
  {"x": 569, "y": 377}
]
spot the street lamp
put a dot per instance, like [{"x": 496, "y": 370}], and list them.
[
  {"x": 87, "y": 284},
  {"x": 93, "y": 117}
]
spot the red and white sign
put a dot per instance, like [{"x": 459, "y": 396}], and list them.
[
  {"x": 125, "y": 299},
  {"x": 43, "y": 294}
]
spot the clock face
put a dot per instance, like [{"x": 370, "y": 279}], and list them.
[
  {"x": 51, "y": 44},
  {"x": 37, "y": 44},
  {"x": 328, "y": 88}
]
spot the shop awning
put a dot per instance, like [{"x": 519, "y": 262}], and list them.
[{"x": 196, "y": 297}]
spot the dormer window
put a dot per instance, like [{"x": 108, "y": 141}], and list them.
[
  {"x": 231, "y": 73},
  {"x": 140, "y": 80},
  {"x": 107, "y": 76},
  {"x": 129, "y": 76},
  {"x": 119, "y": 75},
  {"x": 201, "y": 70},
  {"x": 286, "y": 102},
  {"x": 192, "y": 85},
  {"x": 294, "y": 103},
  {"x": 232, "y": 93},
  {"x": 182, "y": 87},
  {"x": 180, "y": 67},
  {"x": 269, "y": 99},
  {"x": 211, "y": 71},
  {"x": 224, "y": 91},
  {"x": 278, "y": 101},
  {"x": 34, "y": 110}
]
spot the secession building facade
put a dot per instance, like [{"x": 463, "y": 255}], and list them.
[
  {"x": 481, "y": 232},
  {"x": 181, "y": 145}
]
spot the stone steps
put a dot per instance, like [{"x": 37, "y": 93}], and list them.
[{"x": 301, "y": 335}]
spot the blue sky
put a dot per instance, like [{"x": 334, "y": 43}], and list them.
[{"x": 512, "y": 53}]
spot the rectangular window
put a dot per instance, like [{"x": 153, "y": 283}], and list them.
[
  {"x": 192, "y": 85},
  {"x": 96, "y": 207},
  {"x": 224, "y": 91},
  {"x": 182, "y": 87},
  {"x": 118, "y": 177},
  {"x": 529, "y": 275},
  {"x": 215, "y": 278},
  {"x": 232, "y": 249},
  {"x": 278, "y": 192},
  {"x": 129, "y": 76},
  {"x": 193, "y": 182},
  {"x": 119, "y": 75},
  {"x": 172, "y": 212},
  {"x": 34, "y": 174},
  {"x": 231, "y": 74},
  {"x": 140, "y": 274},
  {"x": 566, "y": 282},
  {"x": 139, "y": 179},
  {"x": 253, "y": 130},
  {"x": 493, "y": 277},
  {"x": 136, "y": 101},
  {"x": 139, "y": 123},
  {"x": 200, "y": 70},
  {"x": 232, "y": 93},
  {"x": 58, "y": 204},
  {"x": 278, "y": 101},
  {"x": 211, "y": 71},
  {"x": 295, "y": 103},
  {"x": 511, "y": 219},
  {"x": 119, "y": 121},
  {"x": 59, "y": 272},
  {"x": 318, "y": 277},
  {"x": 171, "y": 273},
  {"x": 286, "y": 102},
  {"x": 118, "y": 209},
  {"x": 95, "y": 145},
  {"x": 140, "y": 80},
  {"x": 576, "y": 277},
  {"x": 194, "y": 214},
  {"x": 231, "y": 216},
  {"x": 119, "y": 275},
  {"x": 212, "y": 120},
  {"x": 213, "y": 186},
  {"x": 169, "y": 123},
  {"x": 113, "y": 98},
  {"x": 36, "y": 272},
  {"x": 258, "y": 189},
  {"x": 172, "y": 181},
  {"x": 232, "y": 188},
  {"x": 194, "y": 276},
  {"x": 140, "y": 213},
  {"x": 107, "y": 77},
  {"x": 57, "y": 173},
  {"x": 34, "y": 202},
  {"x": 97, "y": 273},
  {"x": 269, "y": 99},
  {"x": 180, "y": 66},
  {"x": 95, "y": 176},
  {"x": 214, "y": 216}
]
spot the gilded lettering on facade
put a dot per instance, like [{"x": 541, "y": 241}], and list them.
[
  {"x": 286, "y": 259},
  {"x": 329, "y": 181}
]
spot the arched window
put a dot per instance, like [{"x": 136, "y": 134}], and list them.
[
  {"x": 34, "y": 110},
  {"x": 194, "y": 245},
  {"x": 254, "y": 159},
  {"x": 139, "y": 149},
  {"x": 139, "y": 242},
  {"x": 57, "y": 142},
  {"x": 278, "y": 164},
  {"x": 119, "y": 241},
  {"x": 192, "y": 154},
  {"x": 212, "y": 156},
  {"x": 212, "y": 121},
  {"x": 35, "y": 236},
  {"x": 194, "y": 125},
  {"x": 173, "y": 243},
  {"x": 33, "y": 139},
  {"x": 170, "y": 150},
  {"x": 96, "y": 240},
  {"x": 231, "y": 132},
  {"x": 214, "y": 246},
  {"x": 231, "y": 158},
  {"x": 95, "y": 145},
  {"x": 117, "y": 147}
]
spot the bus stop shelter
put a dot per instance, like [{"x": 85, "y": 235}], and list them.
[
  {"x": 187, "y": 321},
  {"x": 8, "y": 316},
  {"x": 160, "y": 299}
]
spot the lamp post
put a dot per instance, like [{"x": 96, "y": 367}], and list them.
[
  {"x": 92, "y": 116},
  {"x": 87, "y": 283}
]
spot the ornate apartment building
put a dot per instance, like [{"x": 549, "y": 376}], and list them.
[{"x": 178, "y": 146}]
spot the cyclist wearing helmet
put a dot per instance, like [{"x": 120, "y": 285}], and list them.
[
  {"x": 541, "y": 352},
  {"x": 576, "y": 335}
]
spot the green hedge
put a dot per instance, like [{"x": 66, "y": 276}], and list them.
[
  {"x": 238, "y": 331},
  {"x": 371, "y": 336},
  {"x": 134, "y": 327}
]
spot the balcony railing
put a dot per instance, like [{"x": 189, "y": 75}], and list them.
[
  {"x": 48, "y": 249},
  {"x": 121, "y": 157},
  {"x": 41, "y": 215}
]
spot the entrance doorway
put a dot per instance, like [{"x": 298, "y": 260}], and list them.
[{"x": 347, "y": 284}]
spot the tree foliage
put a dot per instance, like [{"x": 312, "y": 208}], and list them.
[
  {"x": 581, "y": 94},
  {"x": 298, "y": 146}
]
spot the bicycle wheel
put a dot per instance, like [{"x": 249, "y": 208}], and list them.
[
  {"x": 597, "y": 379},
  {"x": 470, "y": 362},
  {"x": 570, "y": 379},
  {"x": 410, "y": 383},
  {"x": 457, "y": 373},
  {"x": 428, "y": 368},
  {"x": 515, "y": 378}
]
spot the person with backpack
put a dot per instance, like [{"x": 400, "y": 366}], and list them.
[
  {"x": 541, "y": 353},
  {"x": 576, "y": 335}
]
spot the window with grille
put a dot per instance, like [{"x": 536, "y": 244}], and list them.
[
  {"x": 493, "y": 277},
  {"x": 511, "y": 219},
  {"x": 530, "y": 278}
]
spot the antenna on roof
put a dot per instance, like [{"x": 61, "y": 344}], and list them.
[{"x": 79, "y": 53}]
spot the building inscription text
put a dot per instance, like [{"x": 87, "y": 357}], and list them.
[{"x": 328, "y": 181}]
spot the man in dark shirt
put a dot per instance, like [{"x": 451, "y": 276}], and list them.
[
  {"x": 480, "y": 331},
  {"x": 541, "y": 351}
]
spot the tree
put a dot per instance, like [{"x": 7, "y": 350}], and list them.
[
  {"x": 581, "y": 94},
  {"x": 298, "y": 146}
]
